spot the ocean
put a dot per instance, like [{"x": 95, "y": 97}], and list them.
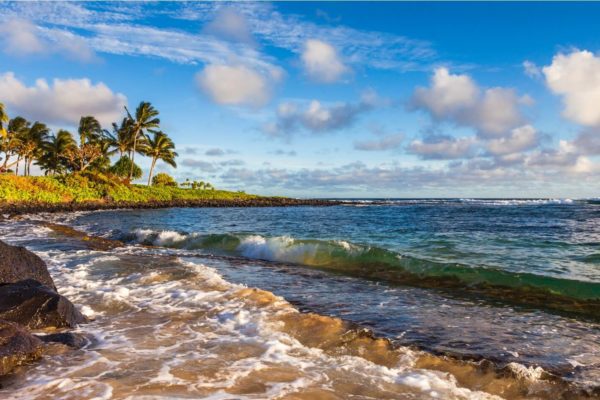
[{"x": 372, "y": 299}]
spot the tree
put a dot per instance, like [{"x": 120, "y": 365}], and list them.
[
  {"x": 89, "y": 150},
  {"x": 163, "y": 179},
  {"x": 159, "y": 147},
  {"x": 146, "y": 118},
  {"x": 89, "y": 130},
  {"x": 123, "y": 136},
  {"x": 55, "y": 147},
  {"x": 31, "y": 147},
  {"x": 12, "y": 143},
  {"x": 122, "y": 168},
  {"x": 3, "y": 119}
]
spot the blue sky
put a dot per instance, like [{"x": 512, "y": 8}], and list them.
[{"x": 332, "y": 99}]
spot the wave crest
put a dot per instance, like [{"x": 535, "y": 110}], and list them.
[{"x": 381, "y": 264}]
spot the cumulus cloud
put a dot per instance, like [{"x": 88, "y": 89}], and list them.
[
  {"x": 520, "y": 139},
  {"x": 316, "y": 117},
  {"x": 388, "y": 142},
  {"x": 457, "y": 98},
  {"x": 236, "y": 85},
  {"x": 20, "y": 37},
  {"x": 322, "y": 62},
  {"x": 231, "y": 25},
  {"x": 62, "y": 100},
  {"x": 576, "y": 77},
  {"x": 442, "y": 147}
]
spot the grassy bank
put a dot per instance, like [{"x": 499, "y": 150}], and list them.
[
  {"x": 33, "y": 194},
  {"x": 99, "y": 188}
]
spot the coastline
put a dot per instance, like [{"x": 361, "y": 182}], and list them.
[
  {"x": 20, "y": 208},
  {"x": 333, "y": 336}
]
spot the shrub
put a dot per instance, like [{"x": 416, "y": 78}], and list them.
[
  {"x": 163, "y": 179},
  {"x": 122, "y": 166}
]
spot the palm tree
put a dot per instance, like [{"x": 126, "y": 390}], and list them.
[
  {"x": 122, "y": 138},
  {"x": 13, "y": 143},
  {"x": 3, "y": 119},
  {"x": 55, "y": 147},
  {"x": 31, "y": 144},
  {"x": 145, "y": 119},
  {"x": 89, "y": 130},
  {"x": 159, "y": 147}
]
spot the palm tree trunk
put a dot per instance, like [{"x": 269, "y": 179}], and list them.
[
  {"x": 6, "y": 157},
  {"x": 133, "y": 154},
  {"x": 151, "y": 170},
  {"x": 17, "y": 167}
]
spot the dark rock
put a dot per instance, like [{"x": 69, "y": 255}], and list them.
[
  {"x": 71, "y": 339},
  {"x": 18, "y": 263},
  {"x": 17, "y": 346},
  {"x": 15, "y": 209},
  {"x": 36, "y": 306}
]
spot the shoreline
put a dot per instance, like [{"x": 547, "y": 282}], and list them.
[
  {"x": 484, "y": 375},
  {"x": 20, "y": 208}
]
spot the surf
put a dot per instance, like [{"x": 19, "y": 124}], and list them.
[{"x": 372, "y": 262}]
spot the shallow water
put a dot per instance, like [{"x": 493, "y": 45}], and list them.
[{"x": 177, "y": 319}]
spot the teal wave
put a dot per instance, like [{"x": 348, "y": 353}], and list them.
[{"x": 382, "y": 264}]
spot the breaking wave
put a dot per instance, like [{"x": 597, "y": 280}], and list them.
[{"x": 563, "y": 294}]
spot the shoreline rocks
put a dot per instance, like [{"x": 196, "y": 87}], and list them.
[
  {"x": 36, "y": 306},
  {"x": 17, "y": 346},
  {"x": 29, "y": 300},
  {"x": 17, "y": 263},
  {"x": 32, "y": 208}
]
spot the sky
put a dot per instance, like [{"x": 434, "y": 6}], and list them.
[{"x": 329, "y": 99}]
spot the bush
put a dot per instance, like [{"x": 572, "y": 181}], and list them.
[
  {"x": 163, "y": 179},
  {"x": 122, "y": 167}
]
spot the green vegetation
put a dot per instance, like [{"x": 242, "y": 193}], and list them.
[
  {"x": 84, "y": 187},
  {"x": 24, "y": 143},
  {"x": 78, "y": 168}
]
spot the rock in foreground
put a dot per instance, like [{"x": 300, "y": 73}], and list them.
[
  {"x": 17, "y": 346},
  {"x": 36, "y": 306},
  {"x": 17, "y": 263}
]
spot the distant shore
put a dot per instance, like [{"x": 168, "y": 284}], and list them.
[
  {"x": 39, "y": 207},
  {"x": 36, "y": 194}
]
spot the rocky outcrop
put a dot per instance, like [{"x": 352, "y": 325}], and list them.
[
  {"x": 17, "y": 346},
  {"x": 17, "y": 264},
  {"x": 13, "y": 209},
  {"x": 70, "y": 339},
  {"x": 36, "y": 306}
]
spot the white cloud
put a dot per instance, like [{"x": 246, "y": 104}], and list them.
[
  {"x": 322, "y": 62},
  {"x": 388, "y": 142},
  {"x": 118, "y": 28},
  {"x": 442, "y": 147},
  {"x": 520, "y": 139},
  {"x": 21, "y": 38},
  {"x": 317, "y": 117},
  {"x": 457, "y": 98},
  {"x": 230, "y": 25},
  {"x": 235, "y": 85},
  {"x": 448, "y": 94},
  {"x": 62, "y": 101},
  {"x": 576, "y": 77}
]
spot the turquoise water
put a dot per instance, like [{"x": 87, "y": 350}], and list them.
[{"x": 507, "y": 281}]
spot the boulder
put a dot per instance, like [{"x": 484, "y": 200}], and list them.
[
  {"x": 18, "y": 263},
  {"x": 17, "y": 346},
  {"x": 36, "y": 306},
  {"x": 70, "y": 339}
]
